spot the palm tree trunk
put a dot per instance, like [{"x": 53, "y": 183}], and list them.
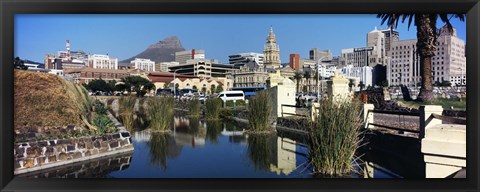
[{"x": 426, "y": 24}]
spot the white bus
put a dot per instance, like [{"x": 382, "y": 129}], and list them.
[{"x": 231, "y": 95}]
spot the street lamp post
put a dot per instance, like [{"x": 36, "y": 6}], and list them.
[
  {"x": 318, "y": 77},
  {"x": 174, "y": 91}
]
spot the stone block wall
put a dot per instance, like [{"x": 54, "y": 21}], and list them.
[{"x": 35, "y": 155}]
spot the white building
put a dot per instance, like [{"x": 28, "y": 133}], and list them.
[
  {"x": 241, "y": 59},
  {"x": 143, "y": 64},
  {"x": 376, "y": 39},
  {"x": 315, "y": 54},
  {"x": 448, "y": 64},
  {"x": 363, "y": 74},
  {"x": 98, "y": 61},
  {"x": 163, "y": 66}
]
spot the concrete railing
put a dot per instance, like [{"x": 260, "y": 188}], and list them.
[{"x": 443, "y": 145}]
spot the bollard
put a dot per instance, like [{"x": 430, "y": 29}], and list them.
[{"x": 234, "y": 104}]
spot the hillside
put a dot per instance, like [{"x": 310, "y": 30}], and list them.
[
  {"x": 46, "y": 100},
  {"x": 162, "y": 51}
]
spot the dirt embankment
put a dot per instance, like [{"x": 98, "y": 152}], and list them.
[{"x": 46, "y": 100}]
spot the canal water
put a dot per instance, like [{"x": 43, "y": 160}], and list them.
[{"x": 215, "y": 149}]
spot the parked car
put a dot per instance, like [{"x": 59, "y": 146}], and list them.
[{"x": 231, "y": 95}]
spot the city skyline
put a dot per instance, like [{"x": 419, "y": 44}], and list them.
[{"x": 124, "y": 36}]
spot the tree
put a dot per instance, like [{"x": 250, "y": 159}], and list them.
[
  {"x": 212, "y": 88},
  {"x": 383, "y": 83},
  {"x": 99, "y": 85},
  {"x": 138, "y": 84},
  {"x": 426, "y": 44},
  {"x": 307, "y": 76},
  {"x": 166, "y": 84},
  {"x": 194, "y": 87},
  {"x": 19, "y": 64},
  {"x": 219, "y": 88},
  {"x": 351, "y": 84},
  {"x": 316, "y": 79},
  {"x": 204, "y": 90},
  {"x": 297, "y": 77},
  {"x": 361, "y": 85}
]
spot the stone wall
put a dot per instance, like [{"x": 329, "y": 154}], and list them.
[{"x": 36, "y": 155}]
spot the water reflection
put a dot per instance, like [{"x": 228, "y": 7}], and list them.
[
  {"x": 275, "y": 154},
  {"x": 214, "y": 128},
  {"x": 162, "y": 145},
  {"x": 97, "y": 168}
]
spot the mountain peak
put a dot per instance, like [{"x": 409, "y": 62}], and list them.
[
  {"x": 171, "y": 42},
  {"x": 162, "y": 51}
]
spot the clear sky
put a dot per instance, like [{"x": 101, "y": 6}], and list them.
[{"x": 124, "y": 36}]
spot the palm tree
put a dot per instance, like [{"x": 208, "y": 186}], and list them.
[
  {"x": 427, "y": 37},
  {"x": 307, "y": 76},
  {"x": 297, "y": 77},
  {"x": 316, "y": 78}
]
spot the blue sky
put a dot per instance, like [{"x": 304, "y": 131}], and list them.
[{"x": 124, "y": 36}]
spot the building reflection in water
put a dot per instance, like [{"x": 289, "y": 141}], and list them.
[{"x": 272, "y": 153}]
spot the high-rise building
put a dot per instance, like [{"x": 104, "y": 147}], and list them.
[
  {"x": 448, "y": 64},
  {"x": 376, "y": 39},
  {"x": 295, "y": 61},
  {"x": 143, "y": 64},
  {"x": 271, "y": 51},
  {"x": 316, "y": 54},
  {"x": 182, "y": 56},
  {"x": 163, "y": 66},
  {"x": 395, "y": 36}
]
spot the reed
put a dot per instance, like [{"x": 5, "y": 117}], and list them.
[
  {"x": 259, "y": 112},
  {"x": 213, "y": 107},
  {"x": 334, "y": 136},
  {"x": 194, "y": 107},
  {"x": 160, "y": 112},
  {"x": 261, "y": 150},
  {"x": 126, "y": 111}
]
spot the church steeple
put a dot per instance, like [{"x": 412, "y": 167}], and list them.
[{"x": 271, "y": 51}]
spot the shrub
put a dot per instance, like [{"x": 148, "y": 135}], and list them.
[
  {"x": 100, "y": 107},
  {"x": 212, "y": 108},
  {"x": 160, "y": 112},
  {"x": 259, "y": 111},
  {"x": 334, "y": 136},
  {"x": 126, "y": 111},
  {"x": 194, "y": 107},
  {"x": 104, "y": 124}
]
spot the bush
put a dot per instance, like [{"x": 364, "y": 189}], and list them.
[
  {"x": 126, "y": 111},
  {"x": 100, "y": 107},
  {"x": 259, "y": 111},
  {"x": 194, "y": 107},
  {"x": 335, "y": 136},
  {"x": 104, "y": 124},
  {"x": 212, "y": 108},
  {"x": 160, "y": 112}
]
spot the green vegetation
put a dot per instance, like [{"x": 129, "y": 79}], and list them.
[
  {"x": 126, "y": 111},
  {"x": 104, "y": 124},
  {"x": 334, "y": 136},
  {"x": 137, "y": 84},
  {"x": 19, "y": 64},
  {"x": 160, "y": 112},
  {"x": 194, "y": 107},
  {"x": 214, "y": 128},
  {"x": 100, "y": 107},
  {"x": 259, "y": 111},
  {"x": 213, "y": 107},
  {"x": 100, "y": 85},
  {"x": 458, "y": 104},
  {"x": 159, "y": 149}
]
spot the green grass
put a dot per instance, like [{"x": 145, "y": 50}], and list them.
[
  {"x": 194, "y": 107},
  {"x": 259, "y": 112},
  {"x": 160, "y": 112},
  {"x": 458, "y": 104},
  {"x": 126, "y": 111},
  {"x": 213, "y": 107},
  {"x": 334, "y": 137}
]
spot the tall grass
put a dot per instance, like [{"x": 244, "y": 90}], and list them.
[
  {"x": 194, "y": 107},
  {"x": 213, "y": 107},
  {"x": 126, "y": 111},
  {"x": 259, "y": 111},
  {"x": 335, "y": 136},
  {"x": 160, "y": 112}
]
